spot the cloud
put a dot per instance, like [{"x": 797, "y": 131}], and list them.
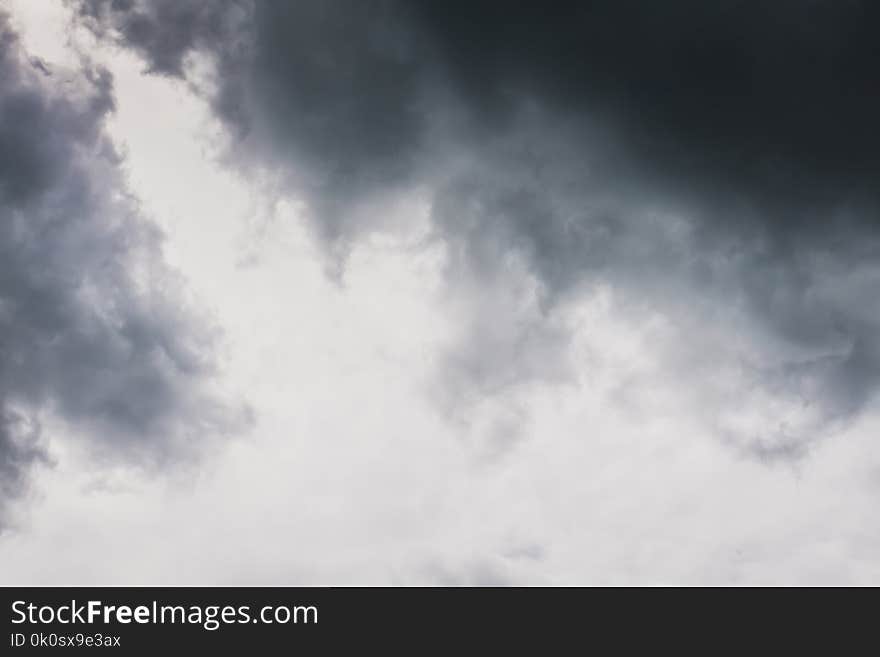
[
  {"x": 713, "y": 163},
  {"x": 733, "y": 96},
  {"x": 94, "y": 328},
  {"x": 20, "y": 449},
  {"x": 166, "y": 31}
]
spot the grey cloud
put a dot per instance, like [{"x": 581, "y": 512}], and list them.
[
  {"x": 477, "y": 572},
  {"x": 327, "y": 92},
  {"x": 166, "y": 32},
  {"x": 707, "y": 159},
  {"x": 20, "y": 449},
  {"x": 93, "y": 327}
]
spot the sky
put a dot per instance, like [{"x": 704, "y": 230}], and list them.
[{"x": 410, "y": 293}]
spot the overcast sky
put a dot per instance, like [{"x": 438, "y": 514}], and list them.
[{"x": 337, "y": 292}]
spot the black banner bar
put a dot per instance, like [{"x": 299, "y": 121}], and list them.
[{"x": 127, "y": 621}]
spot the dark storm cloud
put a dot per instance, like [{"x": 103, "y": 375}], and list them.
[
  {"x": 166, "y": 31},
  {"x": 334, "y": 87},
  {"x": 712, "y": 158},
  {"x": 91, "y": 327},
  {"x": 764, "y": 95},
  {"x": 20, "y": 449}
]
